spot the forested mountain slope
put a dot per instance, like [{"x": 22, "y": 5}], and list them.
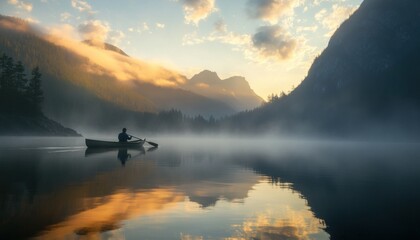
[
  {"x": 79, "y": 89},
  {"x": 366, "y": 80}
]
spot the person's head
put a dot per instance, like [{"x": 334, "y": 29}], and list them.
[{"x": 124, "y": 129}]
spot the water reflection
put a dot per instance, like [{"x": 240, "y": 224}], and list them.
[
  {"x": 159, "y": 194},
  {"x": 200, "y": 193},
  {"x": 123, "y": 154},
  {"x": 107, "y": 213}
]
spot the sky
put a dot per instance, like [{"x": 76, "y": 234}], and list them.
[{"x": 272, "y": 43}]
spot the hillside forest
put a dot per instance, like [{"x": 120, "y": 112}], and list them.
[{"x": 19, "y": 94}]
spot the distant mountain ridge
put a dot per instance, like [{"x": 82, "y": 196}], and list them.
[
  {"x": 366, "y": 80},
  {"x": 236, "y": 91},
  {"x": 80, "y": 92}
]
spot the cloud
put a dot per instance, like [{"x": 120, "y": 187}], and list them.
[
  {"x": 64, "y": 31},
  {"x": 332, "y": 20},
  {"x": 115, "y": 37},
  {"x": 160, "y": 25},
  {"x": 272, "y": 42},
  {"x": 142, "y": 28},
  {"x": 192, "y": 39},
  {"x": 99, "y": 32},
  {"x": 220, "y": 26},
  {"x": 312, "y": 28},
  {"x": 32, "y": 20},
  {"x": 270, "y": 10},
  {"x": 197, "y": 10},
  {"x": 65, "y": 16},
  {"x": 11, "y": 23},
  {"x": 145, "y": 27},
  {"x": 231, "y": 38},
  {"x": 95, "y": 31},
  {"x": 109, "y": 63},
  {"x": 81, "y": 6},
  {"x": 21, "y": 5}
]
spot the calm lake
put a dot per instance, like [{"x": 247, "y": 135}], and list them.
[{"x": 209, "y": 188}]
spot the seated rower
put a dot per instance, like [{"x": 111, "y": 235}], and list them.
[{"x": 123, "y": 136}]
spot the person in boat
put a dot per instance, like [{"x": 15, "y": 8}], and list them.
[{"x": 123, "y": 136}]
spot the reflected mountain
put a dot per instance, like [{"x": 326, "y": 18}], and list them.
[{"x": 362, "y": 191}]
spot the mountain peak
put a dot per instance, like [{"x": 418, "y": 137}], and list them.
[
  {"x": 106, "y": 46},
  {"x": 234, "y": 90},
  {"x": 238, "y": 82},
  {"x": 206, "y": 76}
]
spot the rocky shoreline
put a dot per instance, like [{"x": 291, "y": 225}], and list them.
[{"x": 18, "y": 125}]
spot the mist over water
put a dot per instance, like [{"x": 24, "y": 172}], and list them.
[{"x": 209, "y": 187}]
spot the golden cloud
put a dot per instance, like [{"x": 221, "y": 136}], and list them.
[
  {"x": 14, "y": 24},
  {"x": 94, "y": 31},
  {"x": 121, "y": 67},
  {"x": 21, "y": 5},
  {"x": 197, "y": 10},
  {"x": 270, "y": 10}
]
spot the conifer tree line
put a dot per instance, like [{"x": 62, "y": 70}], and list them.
[{"x": 19, "y": 93}]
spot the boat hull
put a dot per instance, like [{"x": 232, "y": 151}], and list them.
[{"x": 90, "y": 143}]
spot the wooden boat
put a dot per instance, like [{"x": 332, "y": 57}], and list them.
[{"x": 90, "y": 143}]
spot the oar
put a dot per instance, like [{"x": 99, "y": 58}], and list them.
[{"x": 151, "y": 143}]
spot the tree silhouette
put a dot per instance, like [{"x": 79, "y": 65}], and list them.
[
  {"x": 6, "y": 74},
  {"x": 17, "y": 94},
  {"x": 34, "y": 92},
  {"x": 20, "y": 80}
]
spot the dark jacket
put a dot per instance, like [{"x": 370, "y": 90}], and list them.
[{"x": 123, "y": 137}]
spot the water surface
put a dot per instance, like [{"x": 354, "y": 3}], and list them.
[{"x": 198, "y": 188}]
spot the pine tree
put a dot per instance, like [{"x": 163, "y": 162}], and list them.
[
  {"x": 2, "y": 65},
  {"x": 20, "y": 77},
  {"x": 7, "y": 73},
  {"x": 7, "y": 92},
  {"x": 34, "y": 91}
]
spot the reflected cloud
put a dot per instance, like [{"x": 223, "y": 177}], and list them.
[
  {"x": 110, "y": 214},
  {"x": 190, "y": 237},
  {"x": 293, "y": 224}
]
